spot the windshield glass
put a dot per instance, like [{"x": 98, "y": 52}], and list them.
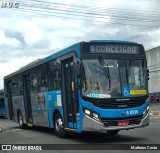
[
  {"x": 133, "y": 77},
  {"x": 105, "y": 78}
]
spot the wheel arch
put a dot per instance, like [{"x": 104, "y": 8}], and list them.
[{"x": 56, "y": 111}]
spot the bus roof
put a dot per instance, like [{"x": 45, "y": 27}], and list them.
[
  {"x": 113, "y": 41},
  {"x": 46, "y": 59},
  {"x": 24, "y": 68},
  {"x": 74, "y": 47}
]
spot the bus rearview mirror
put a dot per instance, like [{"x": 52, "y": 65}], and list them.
[{"x": 77, "y": 69}]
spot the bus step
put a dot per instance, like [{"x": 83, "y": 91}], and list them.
[
  {"x": 29, "y": 124},
  {"x": 70, "y": 129}
]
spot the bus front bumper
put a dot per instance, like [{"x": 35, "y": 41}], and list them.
[{"x": 89, "y": 124}]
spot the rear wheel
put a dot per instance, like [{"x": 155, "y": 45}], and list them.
[
  {"x": 114, "y": 132},
  {"x": 59, "y": 126},
  {"x": 20, "y": 120}
]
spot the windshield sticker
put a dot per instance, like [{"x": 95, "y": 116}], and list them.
[
  {"x": 93, "y": 95},
  {"x": 59, "y": 101},
  {"x": 138, "y": 92},
  {"x": 125, "y": 91},
  {"x": 97, "y": 95}
]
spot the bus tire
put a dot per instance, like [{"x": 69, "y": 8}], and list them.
[
  {"x": 20, "y": 120},
  {"x": 114, "y": 132},
  {"x": 59, "y": 126}
]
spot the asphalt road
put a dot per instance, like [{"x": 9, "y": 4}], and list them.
[{"x": 12, "y": 134}]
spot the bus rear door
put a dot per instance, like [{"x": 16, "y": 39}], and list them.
[
  {"x": 27, "y": 99},
  {"x": 9, "y": 98}
]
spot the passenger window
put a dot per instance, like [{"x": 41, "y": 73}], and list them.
[
  {"x": 43, "y": 78},
  {"x": 34, "y": 81},
  {"x": 54, "y": 75}
]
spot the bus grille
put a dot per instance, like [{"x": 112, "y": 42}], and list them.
[
  {"x": 119, "y": 104},
  {"x": 114, "y": 122}
]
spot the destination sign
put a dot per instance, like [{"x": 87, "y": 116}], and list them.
[{"x": 114, "y": 48}]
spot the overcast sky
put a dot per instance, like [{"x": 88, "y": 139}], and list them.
[{"x": 27, "y": 36}]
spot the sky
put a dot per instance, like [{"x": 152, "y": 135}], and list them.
[{"x": 40, "y": 28}]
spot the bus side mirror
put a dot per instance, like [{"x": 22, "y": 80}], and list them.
[
  {"x": 77, "y": 67},
  {"x": 77, "y": 71},
  {"x": 148, "y": 74}
]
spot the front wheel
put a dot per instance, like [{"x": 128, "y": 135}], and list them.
[
  {"x": 59, "y": 126},
  {"x": 114, "y": 132}
]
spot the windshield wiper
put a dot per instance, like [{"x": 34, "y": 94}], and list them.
[
  {"x": 105, "y": 70},
  {"x": 128, "y": 70},
  {"x": 127, "y": 74}
]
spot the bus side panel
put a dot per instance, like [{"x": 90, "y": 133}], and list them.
[
  {"x": 2, "y": 107},
  {"x": 35, "y": 109},
  {"x": 81, "y": 114},
  {"x": 2, "y": 112},
  {"x": 39, "y": 109},
  {"x": 22, "y": 108},
  {"x": 54, "y": 101},
  {"x": 6, "y": 106},
  {"x": 13, "y": 115},
  {"x": 18, "y": 105}
]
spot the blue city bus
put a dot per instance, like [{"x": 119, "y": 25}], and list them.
[
  {"x": 2, "y": 104},
  {"x": 101, "y": 86}
]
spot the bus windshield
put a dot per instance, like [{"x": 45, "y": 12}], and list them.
[{"x": 106, "y": 78}]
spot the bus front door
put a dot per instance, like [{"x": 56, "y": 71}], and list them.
[
  {"x": 9, "y": 97},
  {"x": 68, "y": 94},
  {"x": 27, "y": 99}
]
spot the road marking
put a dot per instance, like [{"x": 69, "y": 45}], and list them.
[
  {"x": 3, "y": 125},
  {"x": 10, "y": 131},
  {"x": 158, "y": 112},
  {"x": 155, "y": 114}
]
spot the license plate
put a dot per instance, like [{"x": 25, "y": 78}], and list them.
[{"x": 124, "y": 123}]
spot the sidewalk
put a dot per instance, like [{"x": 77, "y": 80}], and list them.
[
  {"x": 3, "y": 128},
  {"x": 5, "y": 125}
]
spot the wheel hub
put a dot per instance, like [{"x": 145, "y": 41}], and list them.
[
  {"x": 59, "y": 124},
  {"x": 20, "y": 120}
]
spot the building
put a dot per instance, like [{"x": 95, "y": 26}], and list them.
[{"x": 153, "y": 59}]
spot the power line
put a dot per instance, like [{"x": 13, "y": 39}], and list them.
[
  {"x": 100, "y": 8},
  {"x": 55, "y": 14},
  {"x": 142, "y": 34},
  {"x": 76, "y": 7},
  {"x": 89, "y": 14},
  {"x": 91, "y": 11},
  {"x": 66, "y": 13}
]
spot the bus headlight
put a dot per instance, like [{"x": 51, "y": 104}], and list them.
[
  {"x": 145, "y": 111},
  {"x": 92, "y": 114},
  {"x": 87, "y": 112},
  {"x": 95, "y": 115}
]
